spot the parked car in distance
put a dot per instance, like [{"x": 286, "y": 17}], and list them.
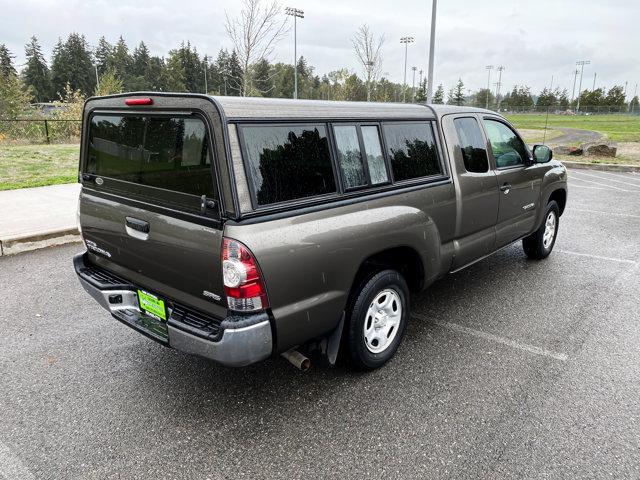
[{"x": 243, "y": 228}]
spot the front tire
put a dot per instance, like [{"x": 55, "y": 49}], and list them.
[
  {"x": 377, "y": 319},
  {"x": 540, "y": 243}
]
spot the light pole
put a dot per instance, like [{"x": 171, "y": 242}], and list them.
[
  {"x": 413, "y": 85},
  {"x": 594, "y": 82},
  {"x": 500, "y": 69},
  {"x": 296, "y": 14},
  {"x": 95, "y": 65},
  {"x": 432, "y": 40},
  {"x": 581, "y": 64},
  {"x": 489, "y": 68},
  {"x": 575, "y": 77},
  {"x": 206, "y": 67},
  {"x": 406, "y": 41}
]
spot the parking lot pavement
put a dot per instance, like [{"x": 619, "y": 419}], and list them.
[{"x": 509, "y": 369}]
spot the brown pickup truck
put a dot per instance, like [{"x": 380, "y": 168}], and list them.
[{"x": 244, "y": 228}]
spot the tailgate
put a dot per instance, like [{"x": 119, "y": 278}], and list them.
[{"x": 149, "y": 206}]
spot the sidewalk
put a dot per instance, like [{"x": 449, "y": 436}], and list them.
[{"x": 37, "y": 217}]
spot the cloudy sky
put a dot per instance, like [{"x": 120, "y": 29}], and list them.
[{"x": 532, "y": 39}]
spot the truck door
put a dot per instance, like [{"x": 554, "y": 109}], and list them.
[
  {"x": 518, "y": 181},
  {"x": 477, "y": 190}
]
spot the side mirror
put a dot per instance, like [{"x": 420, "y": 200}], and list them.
[{"x": 542, "y": 153}]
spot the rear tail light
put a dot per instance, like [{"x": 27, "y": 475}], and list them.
[{"x": 243, "y": 282}]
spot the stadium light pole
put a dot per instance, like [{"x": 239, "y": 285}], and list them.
[
  {"x": 575, "y": 77},
  {"x": 489, "y": 68},
  {"x": 406, "y": 41},
  {"x": 581, "y": 64},
  {"x": 296, "y": 14},
  {"x": 432, "y": 40},
  {"x": 500, "y": 69},
  {"x": 413, "y": 85}
]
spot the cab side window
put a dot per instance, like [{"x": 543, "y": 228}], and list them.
[
  {"x": 472, "y": 144},
  {"x": 508, "y": 149}
]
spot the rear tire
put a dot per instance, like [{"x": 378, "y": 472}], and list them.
[
  {"x": 377, "y": 319},
  {"x": 540, "y": 243}
]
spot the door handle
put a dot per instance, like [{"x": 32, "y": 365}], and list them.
[
  {"x": 506, "y": 188},
  {"x": 137, "y": 228}
]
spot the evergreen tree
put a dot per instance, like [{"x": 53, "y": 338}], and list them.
[
  {"x": 139, "y": 78},
  {"x": 518, "y": 99},
  {"x": 157, "y": 75},
  {"x": 615, "y": 99},
  {"x": 263, "y": 83},
  {"x": 592, "y": 100},
  {"x": 175, "y": 76},
  {"x": 14, "y": 98},
  {"x": 102, "y": 54},
  {"x": 456, "y": 94},
  {"x": 6, "y": 62},
  {"x": 546, "y": 99},
  {"x": 36, "y": 72},
  {"x": 72, "y": 65},
  {"x": 421, "y": 93},
  {"x": 634, "y": 105},
  {"x": 234, "y": 75},
  {"x": 121, "y": 62},
  {"x": 480, "y": 98},
  {"x": 220, "y": 73},
  {"x": 186, "y": 61},
  {"x": 438, "y": 97},
  {"x": 563, "y": 99}
]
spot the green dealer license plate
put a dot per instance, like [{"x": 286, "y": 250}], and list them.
[{"x": 151, "y": 304}]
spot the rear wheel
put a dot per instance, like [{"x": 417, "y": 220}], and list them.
[
  {"x": 539, "y": 244},
  {"x": 377, "y": 319}
]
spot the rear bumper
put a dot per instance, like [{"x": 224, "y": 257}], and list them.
[{"x": 234, "y": 341}]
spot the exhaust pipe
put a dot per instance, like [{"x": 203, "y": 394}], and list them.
[{"x": 297, "y": 359}]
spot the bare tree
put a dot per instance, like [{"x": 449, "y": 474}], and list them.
[
  {"x": 369, "y": 52},
  {"x": 254, "y": 35}
]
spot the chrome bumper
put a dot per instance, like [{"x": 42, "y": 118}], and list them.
[{"x": 237, "y": 347}]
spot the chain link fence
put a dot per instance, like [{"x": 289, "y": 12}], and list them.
[{"x": 39, "y": 130}]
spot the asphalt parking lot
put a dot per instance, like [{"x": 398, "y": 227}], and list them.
[{"x": 509, "y": 369}]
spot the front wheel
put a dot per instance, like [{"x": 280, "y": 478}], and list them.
[
  {"x": 539, "y": 244},
  {"x": 377, "y": 319}
]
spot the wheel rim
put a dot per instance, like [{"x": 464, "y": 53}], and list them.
[
  {"x": 382, "y": 322},
  {"x": 549, "y": 230}
]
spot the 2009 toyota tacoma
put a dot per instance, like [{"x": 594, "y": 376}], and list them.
[{"x": 242, "y": 228}]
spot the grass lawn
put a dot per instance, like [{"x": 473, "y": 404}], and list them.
[
  {"x": 619, "y": 128},
  {"x": 37, "y": 165}
]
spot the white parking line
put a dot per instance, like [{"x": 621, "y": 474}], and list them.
[
  {"x": 607, "y": 179},
  {"x": 496, "y": 339},
  {"x": 597, "y": 257},
  {"x": 11, "y": 468},
  {"x": 610, "y": 187},
  {"x": 634, "y": 177},
  {"x": 589, "y": 188},
  {"x": 629, "y": 215}
]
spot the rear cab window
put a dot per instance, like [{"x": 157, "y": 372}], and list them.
[
  {"x": 412, "y": 150},
  {"x": 164, "y": 159}
]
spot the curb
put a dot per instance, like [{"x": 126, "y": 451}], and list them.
[
  {"x": 606, "y": 167},
  {"x": 35, "y": 241}
]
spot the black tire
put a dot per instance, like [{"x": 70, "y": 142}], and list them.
[
  {"x": 373, "y": 285},
  {"x": 534, "y": 244}
]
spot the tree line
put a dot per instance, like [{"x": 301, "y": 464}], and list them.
[{"x": 77, "y": 68}]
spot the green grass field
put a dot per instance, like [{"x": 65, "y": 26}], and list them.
[
  {"x": 620, "y": 128},
  {"x": 37, "y": 165}
]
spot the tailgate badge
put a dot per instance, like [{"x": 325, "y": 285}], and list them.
[
  {"x": 210, "y": 295},
  {"x": 93, "y": 246}
]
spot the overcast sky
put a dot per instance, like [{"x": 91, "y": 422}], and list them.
[{"x": 532, "y": 39}]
